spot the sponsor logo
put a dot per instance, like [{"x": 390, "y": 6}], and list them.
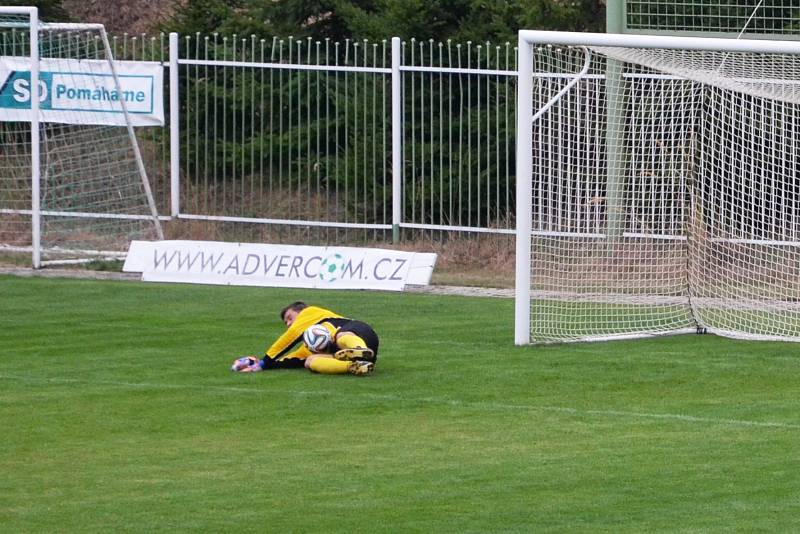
[
  {"x": 78, "y": 92},
  {"x": 83, "y": 91},
  {"x": 329, "y": 269},
  {"x": 276, "y": 265}
]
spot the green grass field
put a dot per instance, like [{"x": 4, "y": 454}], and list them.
[{"x": 118, "y": 413}]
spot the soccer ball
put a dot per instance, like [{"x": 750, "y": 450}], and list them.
[
  {"x": 331, "y": 268},
  {"x": 317, "y": 338}
]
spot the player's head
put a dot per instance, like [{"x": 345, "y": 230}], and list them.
[{"x": 289, "y": 313}]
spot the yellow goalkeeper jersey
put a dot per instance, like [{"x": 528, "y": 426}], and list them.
[{"x": 281, "y": 350}]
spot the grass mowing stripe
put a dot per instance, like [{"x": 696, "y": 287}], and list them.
[{"x": 350, "y": 397}]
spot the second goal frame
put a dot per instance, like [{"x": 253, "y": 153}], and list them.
[{"x": 75, "y": 170}]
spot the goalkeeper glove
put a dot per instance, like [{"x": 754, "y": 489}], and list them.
[{"x": 246, "y": 364}]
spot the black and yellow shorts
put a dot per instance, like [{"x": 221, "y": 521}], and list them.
[{"x": 362, "y": 330}]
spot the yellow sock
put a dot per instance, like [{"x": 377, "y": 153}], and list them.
[
  {"x": 350, "y": 341},
  {"x": 328, "y": 366}
]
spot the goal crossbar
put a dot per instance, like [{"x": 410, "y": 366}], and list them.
[{"x": 766, "y": 46}]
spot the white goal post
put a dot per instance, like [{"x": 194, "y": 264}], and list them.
[
  {"x": 73, "y": 183},
  {"x": 658, "y": 187}
]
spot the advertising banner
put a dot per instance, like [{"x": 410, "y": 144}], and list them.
[
  {"x": 73, "y": 91},
  {"x": 251, "y": 264}
]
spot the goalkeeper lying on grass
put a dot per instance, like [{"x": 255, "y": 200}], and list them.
[{"x": 329, "y": 344}]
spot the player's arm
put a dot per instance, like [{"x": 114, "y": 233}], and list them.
[
  {"x": 283, "y": 345},
  {"x": 294, "y": 333},
  {"x": 278, "y": 356},
  {"x": 290, "y": 360}
]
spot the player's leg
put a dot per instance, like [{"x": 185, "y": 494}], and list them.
[
  {"x": 356, "y": 341},
  {"x": 352, "y": 347},
  {"x": 325, "y": 364}
]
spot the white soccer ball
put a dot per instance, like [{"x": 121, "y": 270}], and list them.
[{"x": 316, "y": 337}]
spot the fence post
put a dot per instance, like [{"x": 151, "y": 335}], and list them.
[
  {"x": 174, "y": 127},
  {"x": 397, "y": 142}
]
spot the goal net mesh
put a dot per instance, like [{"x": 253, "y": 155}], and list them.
[
  {"x": 665, "y": 194},
  {"x": 92, "y": 193}
]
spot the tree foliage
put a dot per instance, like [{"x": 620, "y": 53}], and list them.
[
  {"x": 459, "y": 20},
  {"x": 49, "y": 10},
  {"x": 340, "y": 163}
]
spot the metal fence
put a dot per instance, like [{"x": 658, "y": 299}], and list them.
[
  {"x": 771, "y": 19},
  {"x": 353, "y": 136},
  {"x": 268, "y": 138}
]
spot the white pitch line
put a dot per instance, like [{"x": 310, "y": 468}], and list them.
[
  {"x": 430, "y": 400},
  {"x": 604, "y": 413}
]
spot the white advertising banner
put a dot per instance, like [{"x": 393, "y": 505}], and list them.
[
  {"x": 251, "y": 264},
  {"x": 73, "y": 91}
]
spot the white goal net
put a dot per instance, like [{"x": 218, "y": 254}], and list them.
[
  {"x": 70, "y": 188},
  {"x": 658, "y": 187}
]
